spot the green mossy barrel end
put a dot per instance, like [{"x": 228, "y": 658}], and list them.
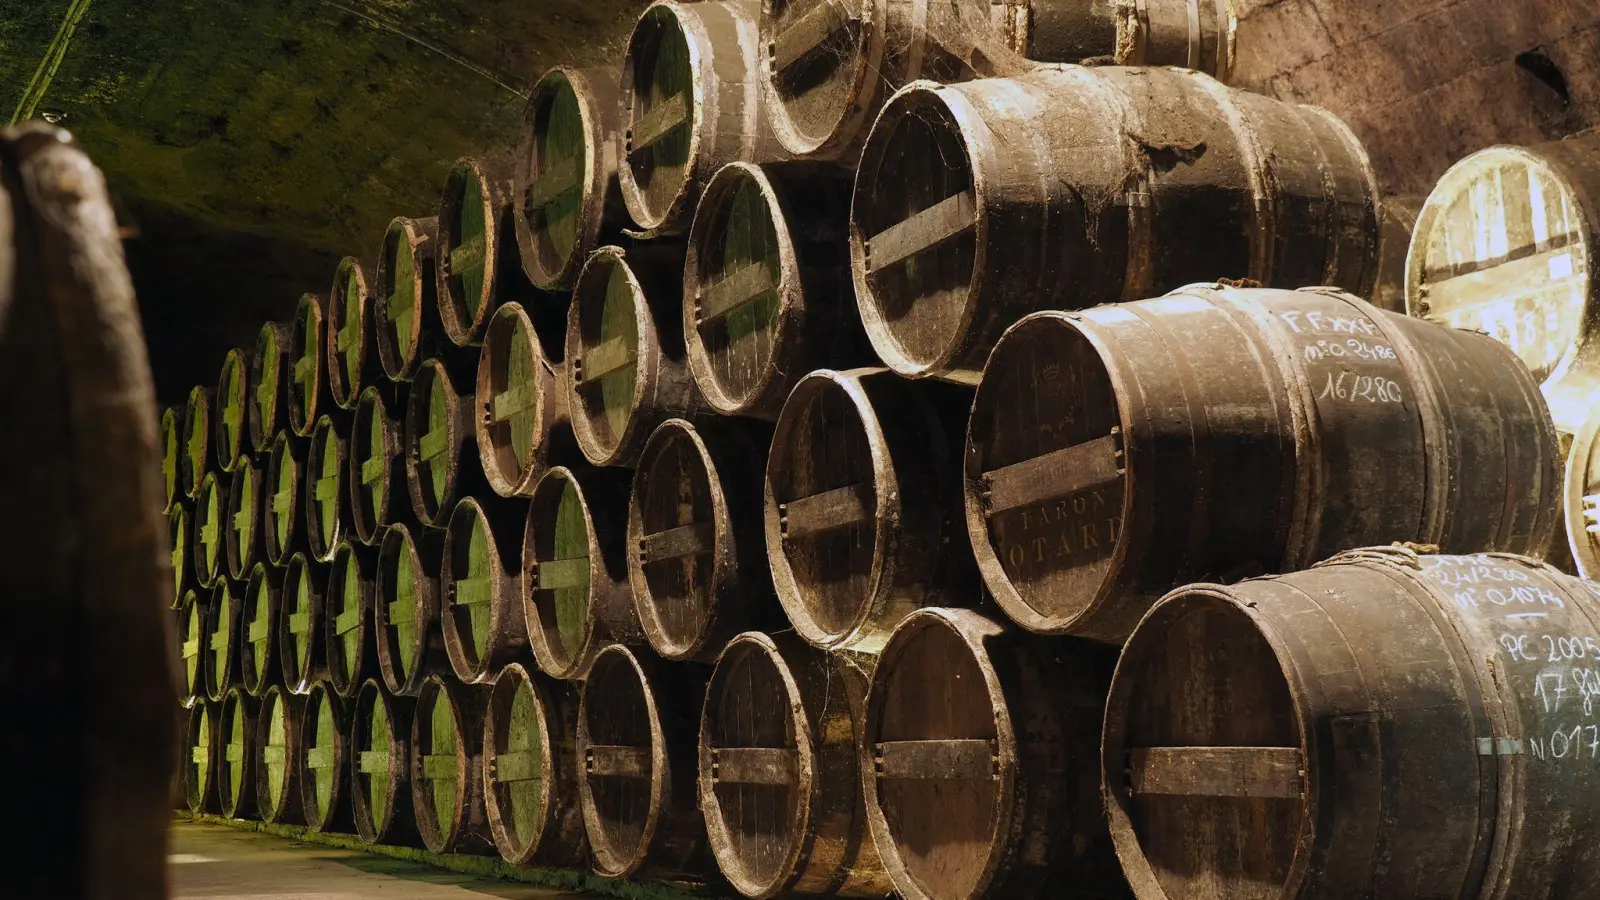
[
  {"x": 323, "y": 759},
  {"x": 377, "y": 466},
  {"x": 243, "y": 538},
  {"x": 210, "y": 530},
  {"x": 221, "y": 639},
  {"x": 441, "y": 464},
  {"x": 531, "y": 769},
  {"x": 326, "y": 491},
  {"x": 172, "y": 463},
  {"x": 472, "y": 213},
  {"x": 236, "y": 756},
  {"x": 268, "y": 374},
  {"x": 447, "y": 767},
  {"x": 300, "y": 633},
  {"x": 182, "y": 547},
  {"x": 283, "y": 528},
  {"x": 261, "y": 624},
  {"x": 198, "y": 774},
  {"x": 405, "y": 614},
  {"x": 306, "y": 366},
  {"x": 347, "y": 618},
  {"x": 407, "y": 293},
  {"x": 521, "y": 416},
  {"x": 380, "y": 766},
  {"x": 190, "y": 623},
  {"x": 198, "y": 452},
  {"x": 277, "y": 768},
  {"x": 352, "y": 357},
  {"x": 232, "y": 409},
  {"x": 480, "y": 606}
]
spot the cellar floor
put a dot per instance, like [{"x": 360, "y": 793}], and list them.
[{"x": 216, "y": 862}]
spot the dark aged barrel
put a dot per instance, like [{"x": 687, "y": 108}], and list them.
[
  {"x": 377, "y": 465},
  {"x": 380, "y": 766},
  {"x": 265, "y": 414},
  {"x": 473, "y": 211},
  {"x": 307, "y": 366},
  {"x": 242, "y": 542},
  {"x": 277, "y": 772},
  {"x": 828, "y": 66},
  {"x": 636, "y": 740},
  {"x": 441, "y": 466},
  {"x": 199, "y": 773},
  {"x": 233, "y": 402},
  {"x": 326, "y": 496},
  {"x": 1116, "y": 453},
  {"x": 531, "y": 770},
  {"x": 980, "y": 202},
  {"x": 767, "y": 285},
  {"x": 567, "y": 198},
  {"x": 521, "y": 420},
  {"x": 351, "y": 354},
  {"x": 625, "y": 355},
  {"x": 182, "y": 566},
  {"x": 210, "y": 518},
  {"x": 323, "y": 759},
  {"x": 283, "y": 526},
  {"x": 190, "y": 622},
  {"x": 236, "y": 756},
  {"x": 405, "y": 615},
  {"x": 1581, "y": 498},
  {"x": 1192, "y": 34},
  {"x": 221, "y": 636},
  {"x": 408, "y": 287},
  {"x": 198, "y": 452},
  {"x": 347, "y": 616},
  {"x": 1505, "y": 244},
  {"x": 1347, "y": 761},
  {"x": 171, "y": 458},
  {"x": 862, "y": 505},
  {"x": 262, "y": 618},
  {"x": 480, "y": 593},
  {"x": 575, "y": 592},
  {"x": 780, "y": 779},
  {"x": 979, "y": 746},
  {"x": 691, "y": 104},
  {"x": 447, "y": 767},
  {"x": 696, "y": 561},
  {"x": 300, "y": 635}
]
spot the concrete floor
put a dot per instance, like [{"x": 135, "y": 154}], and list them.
[{"x": 215, "y": 862}]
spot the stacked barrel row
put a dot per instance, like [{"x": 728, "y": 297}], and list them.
[{"x": 676, "y": 505}]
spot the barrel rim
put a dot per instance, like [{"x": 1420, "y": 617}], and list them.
[
  {"x": 192, "y": 472},
  {"x": 432, "y": 373},
  {"x": 574, "y": 663},
  {"x": 207, "y": 572},
  {"x": 191, "y": 619},
  {"x": 170, "y": 434},
  {"x": 347, "y": 389},
  {"x": 865, "y": 89},
  {"x": 234, "y": 702},
  {"x": 261, "y": 585},
  {"x": 323, "y": 547},
  {"x": 507, "y": 322},
  {"x": 741, "y": 647},
  {"x": 283, "y": 448},
  {"x": 647, "y": 347},
  {"x": 634, "y": 197},
  {"x": 302, "y": 415},
  {"x": 397, "y": 539},
  {"x": 514, "y": 677},
  {"x": 437, "y": 836},
  {"x": 178, "y": 546},
  {"x": 449, "y": 610},
  {"x": 345, "y": 555},
  {"x": 322, "y": 692},
  {"x": 928, "y": 98},
  {"x": 300, "y": 669},
  {"x": 231, "y": 450},
  {"x": 200, "y": 797},
  {"x": 462, "y": 329},
  {"x": 886, "y": 508},
  {"x": 262, "y": 419},
  {"x": 598, "y": 142},
  {"x": 370, "y": 694},
  {"x": 285, "y": 807},
  {"x": 609, "y": 862},
  {"x": 241, "y": 559},
  {"x": 397, "y": 366},
  {"x": 369, "y": 528}
]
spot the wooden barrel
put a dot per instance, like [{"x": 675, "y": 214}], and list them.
[
  {"x": 190, "y": 622},
  {"x": 575, "y": 592},
  {"x": 409, "y": 286},
  {"x": 323, "y": 759},
  {"x": 441, "y": 466},
  {"x": 377, "y": 466},
  {"x": 327, "y": 500},
  {"x": 767, "y": 285},
  {"x": 521, "y": 421},
  {"x": 236, "y": 757},
  {"x": 978, "y": 746},
  {"x": 1191, "y": 34},
  {"x": 198, "y": 452},
  {"x": 199, "y": 772},
  {"x": 242, "y": 541},
  {"x": 307, "y": 366},
  {"x": 171, "y": 458},
  {"x": 691, "y": 104},
  {"x": 978, "y": 203},
  {"x": 636, "y": 738},
  {"x": 480, "y": 607},
  {"x": 1116, "y": 453},
  {"x": 283, "y": 524},
  {"x": 262, "y": 618},
  {"x": 473, "y": 213},
  {"x": 232, "y": 408},
  {"x": 531, "y": 770},
  {"x": 265, "y": 414},
  {"x": 1301, "y": 779},
  {"x": 405, "y": 615},
  {"x": 696, "y": 558},
  {"x": 277, "y": 771},
  {"x": 220, "y": 626},
  {"x": 1580, "y": 498},
  {"x": 862, "y": 505},
  {"x": 567, "y": 198},
  {"x": 351, "y": 354},
  {"x": 1506, "y": 244},
  {"x": 447, "y": 767},
  {"x": 300, "y": 640},
  {"x": 625, "y": 355},
  {"x": 182, "y": 566},
  {"x": 779, "y": 774},
  {"x": 347, "y": 616},
  {"x": 380, "y": 771},
  {"x": 210, "y": 520}
]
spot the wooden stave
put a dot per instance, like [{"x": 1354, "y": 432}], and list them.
[
  {"x": 562, "y": 840},
  {"x": 507, "y": 638}
]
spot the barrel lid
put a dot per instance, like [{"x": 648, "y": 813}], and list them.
[
  {"x": 178, "y": 534},
  {"x": 939, "y": 756},
  {"x": 322, "y": 739},
  {"x": 663, "y": 116},
  {"x": 1046, "y": 475},
  {"x": 306, "y": 365},
  {"x": 675, "y": 516},
  {"x": 221, "y": 634},
  {"x": 756, "y": 766},
  {"x": 621, "y": 745},
  {"x": 431, "y": 439},
  {"x": 745, "y": 273},
  {"x": 260, "y": 614},
  {"x": 557, "y": 559},
  {"x": 198, "y": 765},
  {"x": 439, "y": 763},
  {"x": 468, "y": 247},
  {"x": 171, "y": 442},
  {"x": 233, "y": 790},
  {"x": 917, "y": 231},
  {"x": 243, "y": 514},
  {"x": 233, "y": 399},
  {"x": 609, "y": 326},
  {"x": 401, "y": 286},
  {"x": 560, "y": 158},
  {"x": 816, "y": 65},
  {"x": 373, "y": 448},
  {"x": 302, "y": 592},
  {"x": 348, "y": 331},
  {"x": 519, "y": 764},
  {"x": 191, "y": 631},
  {"x": 266, "y": 373},
  {"x": 511, "y": 399},
  {"x": 282, "y": 510},
  {"x": 405, "y": 599},
  {"x": 274, "y": 753},
  {"x": 346, "y": 602},
  {"x": 325, "y": 489},
  {"x": 1505, "y": 245},
  {"x": 469, "y": 580},
  {"x": 196, "y": 440},
  {"x": 373, "y": 762}
]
